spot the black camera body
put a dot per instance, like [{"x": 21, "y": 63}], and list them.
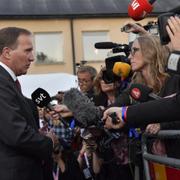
[{"x": 162, "y": 23}]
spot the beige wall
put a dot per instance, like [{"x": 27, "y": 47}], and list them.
[{"x": 112, "y": 25}]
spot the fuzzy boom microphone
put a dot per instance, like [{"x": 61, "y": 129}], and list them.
[{"x": 83, "y": 109}]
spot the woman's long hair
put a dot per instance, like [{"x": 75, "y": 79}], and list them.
[{"x": 155, "y": 56}]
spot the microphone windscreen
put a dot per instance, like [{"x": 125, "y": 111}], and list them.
[
  {"x": 138, "y": 9},
  {"x": 83, "y": 109},
  {"x": 122, "y": 69},
  {"x": 40, "y": 97},
  {"x": 140, "y": 92},
  {"x": 105, "y": 45}
]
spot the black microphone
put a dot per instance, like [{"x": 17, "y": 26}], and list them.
[
  {"x": 142, "y": 93},
  {"x": 42, "y": 99},
  {"x": 105, "y": 45}
]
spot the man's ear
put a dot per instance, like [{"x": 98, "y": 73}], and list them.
[{"x": 6, "y": 52}]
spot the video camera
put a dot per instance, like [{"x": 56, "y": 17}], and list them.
[
  {"x": 162, "y": 23},
  {"x": 173, "y": 65},
  {"x": 108, "y": 75}
]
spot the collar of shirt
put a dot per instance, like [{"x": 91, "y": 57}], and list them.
[{"x": 9, "y": 71}]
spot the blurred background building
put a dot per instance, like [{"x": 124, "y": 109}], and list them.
[{"x": 66, "y": 30}]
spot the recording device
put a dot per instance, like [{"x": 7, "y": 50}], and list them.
[
  {"x": 85, "y": 112},
  {"x": 109, "y": 77},
  {"x": 162, "y": 23},
  {"x": 138, "y": 9},
  {"x": 118, "y": 69},
  {"x": 142, "y": 93},
  {"x": 122, "y": 69},
  {"x": 105, "y": 45},
  {"x": 82, "y": 107},
  {"x": 116, "y": 48},
  {"x": 42, "y": 99},
  {"x": 126, "y": 28},
  {"x": 173, "y": 65}
]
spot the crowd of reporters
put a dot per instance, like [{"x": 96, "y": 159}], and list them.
[
  {"x": 93, "y": 131},
  {"x": 81, "y": 153}
]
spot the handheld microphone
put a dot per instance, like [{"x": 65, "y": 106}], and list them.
[
  {"x": 142, "y": 93},
  {"x": 105, "y": 45},
  {"x": 122, "y": 69},
  {"x": 138, "y": 9},
  {"x": 42, "y": 99}
]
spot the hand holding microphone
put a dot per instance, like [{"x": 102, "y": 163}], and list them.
[
  {"x": 63, "y": 110},
  {"x": 108, "y": 120},
  {"x": 42, "y": 99}
]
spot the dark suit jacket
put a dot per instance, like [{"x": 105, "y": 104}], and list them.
[{"x": 22, "y": 148}]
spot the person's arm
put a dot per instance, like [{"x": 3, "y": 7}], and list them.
[
  {"x": 163, "y": 110},
  {"x": 134, "y": 27}
]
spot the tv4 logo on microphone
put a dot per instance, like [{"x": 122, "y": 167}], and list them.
[
  {"x": 138, "y": 9},
  {"x": 135, "y": 4}
]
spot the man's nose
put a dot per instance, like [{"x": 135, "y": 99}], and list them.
[{"x": 31, "y": 57}]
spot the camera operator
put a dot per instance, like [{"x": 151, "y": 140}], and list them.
[{"x": 168, "y": 108}]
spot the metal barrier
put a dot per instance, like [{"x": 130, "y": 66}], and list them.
[{"x": 172, "y": 162}]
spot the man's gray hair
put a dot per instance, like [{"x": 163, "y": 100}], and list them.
[{"x": 91, "y": 70}]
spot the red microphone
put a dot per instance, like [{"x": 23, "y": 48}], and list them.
[{"x": 138, "y": 9}]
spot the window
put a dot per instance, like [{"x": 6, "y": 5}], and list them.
[
  {"x": 49, "y": 48},
  {"x": 90, "y": 52}
]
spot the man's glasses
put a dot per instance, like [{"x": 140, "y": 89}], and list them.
[
  {"x": 83, "y": 81},
  {"x": 134, "y": 50}
]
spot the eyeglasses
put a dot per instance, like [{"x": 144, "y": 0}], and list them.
[
  {"x": 83, "y": 81},
  {"x": 134, "y": 50}
]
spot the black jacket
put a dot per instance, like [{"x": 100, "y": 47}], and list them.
[
  {"x": 164, "y": 110},
  {"x": 22, "y": 148}
]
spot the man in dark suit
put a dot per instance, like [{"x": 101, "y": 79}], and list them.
[
  {"x": 164, "y": 110},
  {"x": 22, "y": 147}
]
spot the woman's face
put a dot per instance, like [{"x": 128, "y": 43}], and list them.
[
  {"x": 136, "y": 58},
  {"x": 106, "y": 87}
]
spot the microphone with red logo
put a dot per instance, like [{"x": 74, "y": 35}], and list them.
[
  {"x": 142, "y": 93},
  {"x": 138, "y": 9}
]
